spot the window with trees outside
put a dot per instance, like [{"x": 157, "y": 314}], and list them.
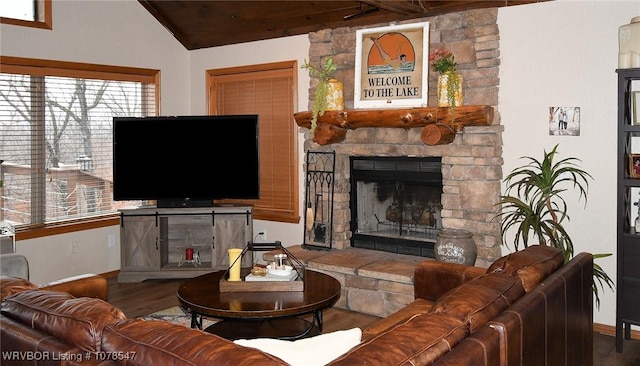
[
  {"x": 56, "y": 137},
  {"x": 268, "y": 90},
  {"x": 27, "y": 13}
]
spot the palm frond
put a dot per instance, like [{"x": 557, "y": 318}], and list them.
[{"x": 534, "y": 207}]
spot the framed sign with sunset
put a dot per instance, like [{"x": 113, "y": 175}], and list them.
[{"x": 392, "y": 66}]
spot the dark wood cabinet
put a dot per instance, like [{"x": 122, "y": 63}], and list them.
[
  {"x": 154, "y": 241},
  {"x": 628, "y": 230}
]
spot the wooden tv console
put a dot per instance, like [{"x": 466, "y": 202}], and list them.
[{"x": 154, "y": 241}]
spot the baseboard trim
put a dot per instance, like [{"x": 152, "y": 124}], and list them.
[
  {"x": 111, "y": 274},
  {"x": 610, "y": 330}
]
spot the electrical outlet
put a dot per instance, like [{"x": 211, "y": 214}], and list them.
[
  {"x": 73, "y": 247},
  {"x": 111, "y": 241},
  {"x": 262, "y": 235}
]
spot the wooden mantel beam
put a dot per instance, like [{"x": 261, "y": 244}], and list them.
[{"x": 444, "y": 122}]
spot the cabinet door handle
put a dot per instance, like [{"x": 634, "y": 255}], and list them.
[{"x": 156, "y": 243}]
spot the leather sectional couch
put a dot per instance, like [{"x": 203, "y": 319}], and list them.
[{"x": 527, "y": 308}]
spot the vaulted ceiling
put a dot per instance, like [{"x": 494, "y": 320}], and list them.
[{"x": 204, "y": 23}]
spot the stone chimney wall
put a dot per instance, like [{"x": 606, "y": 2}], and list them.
[{"x": 472, "y": 163}]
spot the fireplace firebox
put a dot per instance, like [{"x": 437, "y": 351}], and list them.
[{"x": 396, "y": 203}]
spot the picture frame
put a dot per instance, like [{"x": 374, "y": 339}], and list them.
[
  {"x": 634, "y": 165},
  {"x": 635, "y": 108},
  {"x": 564, "y": 121},
  {"x": 392, "y": 66}
]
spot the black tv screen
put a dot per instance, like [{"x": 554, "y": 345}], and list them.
[{"x": 186, "y": 161}]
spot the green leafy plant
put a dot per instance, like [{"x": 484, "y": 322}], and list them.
[
  {"x": 533, "y": 205},
  {"x": 443, "y": 61},
  {"x": 325, "y": 72}
]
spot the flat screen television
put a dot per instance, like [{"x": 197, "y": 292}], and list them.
[{"x": 186, "y": 161}]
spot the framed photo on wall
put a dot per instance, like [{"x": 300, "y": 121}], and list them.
[
  {"x": 564, "y": 121},
  {"x": 634, "y": 165},
  {"x": 392, "y": 66}
]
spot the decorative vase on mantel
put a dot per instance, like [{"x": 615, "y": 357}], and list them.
[
  {"x": 450, "y": 92},
  {"x": 335, "y": 95}
]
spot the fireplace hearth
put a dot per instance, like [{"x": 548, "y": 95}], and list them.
[{"x": 396, "y": 203}]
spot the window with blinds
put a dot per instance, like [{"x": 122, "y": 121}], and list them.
[
  {"x": 56, "y": 136},
  {"x": 267, "y": 90},
  {"x": 27, "y": 13}
]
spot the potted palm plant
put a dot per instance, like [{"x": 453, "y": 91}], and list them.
[
  {"x": 329, "y": 94},
  {"x": 533, "y": 205}
]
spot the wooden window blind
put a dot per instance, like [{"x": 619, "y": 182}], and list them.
[
  {"x": 56, "y": 136},
  {"x": 269, "y": 91}
]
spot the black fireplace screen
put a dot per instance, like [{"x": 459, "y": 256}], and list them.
[{"x": 396, "y": 203}]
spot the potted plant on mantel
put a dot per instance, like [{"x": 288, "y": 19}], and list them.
[
  {"x": 329, "y": 93},
  {"x": 449, "y": 80},
  {"x": 537, "y": 207}
]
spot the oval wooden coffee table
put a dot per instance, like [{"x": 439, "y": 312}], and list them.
[{"x": 259, "y": 314}]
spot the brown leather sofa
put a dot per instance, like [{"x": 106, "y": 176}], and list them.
[{"x": 528, "y": 308}]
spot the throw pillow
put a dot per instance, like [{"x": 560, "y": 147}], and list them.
[{"x": 318, "y": 350}]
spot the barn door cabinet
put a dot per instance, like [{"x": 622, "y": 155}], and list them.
[
  {"x": 628, "y": 220},
  {"x": 180, "y": 242}
]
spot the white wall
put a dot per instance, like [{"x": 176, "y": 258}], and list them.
[
  {"x": 565, "y": 53},
  {"x": 109, "y": 32},
  {"x": 557, "y": 53},
  {"x": 295, "y": 48}
]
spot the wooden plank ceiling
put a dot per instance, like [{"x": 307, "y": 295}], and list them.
[{"x": 203, "y": 23}]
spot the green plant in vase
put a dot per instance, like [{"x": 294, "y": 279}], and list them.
[
  {"x": 534, "y": 206},
  {"x": 443, "y": 61},
  {"x": 324, "y": 73}
]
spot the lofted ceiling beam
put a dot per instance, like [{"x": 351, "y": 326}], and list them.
[{"x": 405, "y": 7}]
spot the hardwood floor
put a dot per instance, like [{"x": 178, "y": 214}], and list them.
[{"x": 139, "y": 299}]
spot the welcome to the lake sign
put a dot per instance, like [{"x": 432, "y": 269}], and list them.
[{"x": 392, "y": 66}]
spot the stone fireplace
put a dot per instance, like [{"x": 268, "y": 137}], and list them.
[{"x": 471, "y": 166}]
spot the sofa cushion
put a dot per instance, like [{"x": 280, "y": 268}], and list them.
[
  {"x": 77, "y": 321},
  {"x": 86, "y": 285},
  {"x": 416, "y": 307},
  {"x": 314, "y": 351},
  {"x": 531, "y": 265},
  {"x": 156, "y": 342},
  {"x": 480, "y": 300},
  {"x": 432, "y": 279},
  {"x": 420, "y": 340},
  {"x": 12, "y": 285}
]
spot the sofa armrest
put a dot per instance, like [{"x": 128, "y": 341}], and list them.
[
  {"x": 432, "y": 279},
  {"x": 87, "y": 285}
]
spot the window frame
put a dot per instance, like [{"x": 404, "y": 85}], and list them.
[
  {"x": 263, "y": 211},
  {"x": 40, "y": 67},
  {"x": 44, "y": 21}
]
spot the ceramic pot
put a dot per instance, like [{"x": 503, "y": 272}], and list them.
[
  {"x": 450, "y": 91},
  {"x": 335, "y": 96},
  {"x": 455, "y": 246}
]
